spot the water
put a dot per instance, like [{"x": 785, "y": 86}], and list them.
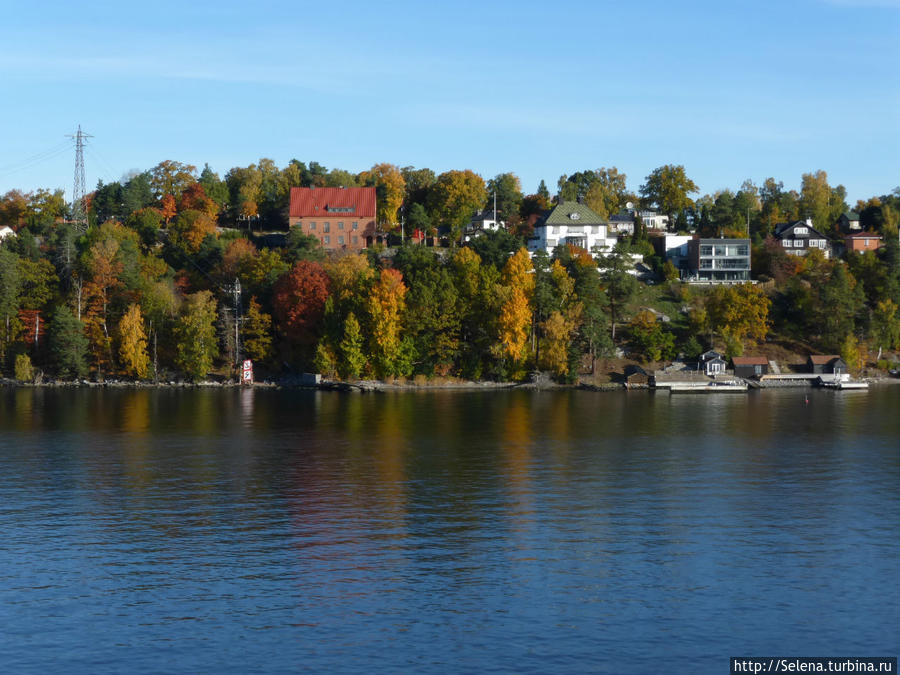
[{"x": 265, "y": 531}]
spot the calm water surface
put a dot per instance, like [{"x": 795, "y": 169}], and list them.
[{"x": 265, "y": 531}]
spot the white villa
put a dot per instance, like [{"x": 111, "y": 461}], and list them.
[{"x": 574, "y": 224}]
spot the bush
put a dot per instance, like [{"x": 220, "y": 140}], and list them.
[{"x": 24, "y": 371}]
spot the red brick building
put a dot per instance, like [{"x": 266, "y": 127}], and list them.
[
  {"x": 861, "y": 242},
  {"x": 340, "y": 218}
]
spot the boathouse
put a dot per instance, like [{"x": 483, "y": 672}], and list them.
[
  {"x": 824, "y": 364},
  {"x": 750, "y": 366}
]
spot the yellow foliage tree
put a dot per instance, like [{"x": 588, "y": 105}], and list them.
[
  {"x": 739, "y": 312},
  {"x": 389, "y": 187},
  {"x": 133, "y": 343},
  {"x": 517, "y": 288},
  {"x": 386, "y": 303}
]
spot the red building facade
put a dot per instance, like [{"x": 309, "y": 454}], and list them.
[{"x": 340, "y": 218}]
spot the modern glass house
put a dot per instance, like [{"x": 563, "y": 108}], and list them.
[{"x": 718, "y": 261}]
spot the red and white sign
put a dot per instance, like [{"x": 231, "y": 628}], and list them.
[{"x": 247, "y": 372}]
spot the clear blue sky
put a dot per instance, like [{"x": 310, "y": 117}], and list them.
[{"x": 731, "y": 90}]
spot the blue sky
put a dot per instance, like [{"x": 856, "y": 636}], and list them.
[{"x": 731, "y": 90}]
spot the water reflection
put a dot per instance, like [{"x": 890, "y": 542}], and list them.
[{"x": 551, "y": 530}]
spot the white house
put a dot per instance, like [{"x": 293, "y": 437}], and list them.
[
  {"x": 6, "y": 231},
  {"x": 574, "y": 224},
  {"x": 483, "y": 221}
]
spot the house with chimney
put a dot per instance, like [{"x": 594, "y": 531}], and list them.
[
  {"x": 799, "y": 237},
  {"x": 340, "y": 218},
  {"x": 571, "y": 223}
]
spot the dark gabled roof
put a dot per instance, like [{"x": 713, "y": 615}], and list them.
[
  {"x": 561, "y": 214},
  {"x": 634, "y": 369},
  {"x": 822, "y": 359},
  {"x": 709, "y": 354},
  {"x": 750, "y": 360},
  {"x": 356, "y": 202},
  {"x": 621, "y": 218},
  {"x": 782, "y": 229}
]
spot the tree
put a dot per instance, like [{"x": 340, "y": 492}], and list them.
[
  {"x": 10, "y": 286},
  {"x": 146, "y": 222},
  {"x": 195, "y": 335},
  {"x": 353, "y": 360},
  {"x": 649, "y": 339},
  {"x": 256, "y": 332},
  {"x": 385, "y": 305},
  {"x": 299, "y": 302},
  {"x": 190, "y": 229},
  {"x": 840, "y": 300},
  {"x": 171, "y": 178},
  {"x": 508, "y": 189},
  {"x": 133, "y": 343},
  {"x": 886, "y": 325},
  {"x": 194, "y": 198},
  {"x": 739, "y": 312},
  {"x": 214, "y": 187},
  {"x": 668, "y": 187},
  {"x": 389, "y": 187},
  {"x": 517, "y": 288},
  {"x": 620, "y": 285},
  {"x": 68, "y": 343},
  {"x": 456, "y": 195}
]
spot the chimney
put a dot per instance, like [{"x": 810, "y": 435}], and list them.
[{"x": 809, "y": 222}]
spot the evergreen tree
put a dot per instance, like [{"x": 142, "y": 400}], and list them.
[{"x": 68, "y": 343}]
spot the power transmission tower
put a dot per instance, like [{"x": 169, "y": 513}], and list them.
[{"x": 79, "y": 213}]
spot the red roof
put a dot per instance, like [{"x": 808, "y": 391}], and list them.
[
  {"x": 750, "y": 360},
  {"x": 818, "y": 360},
  {"x": 863, "y": 235},
  {"x": 334, "y": 202}
]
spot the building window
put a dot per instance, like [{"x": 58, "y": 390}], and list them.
[
  {"x": 355, "y": 239},
  {"x": 341, "y": 239},
  {"x": 341, "y": 226},
  {"x": 355, "y": 225},
  {"x": 800, "y": 230},
  {"x": 326, "y": 227},
  {"x": 312, "y": 227},
  {"x": 326, "y": 240}
]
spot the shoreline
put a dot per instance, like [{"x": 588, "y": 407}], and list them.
[{"x": 379, "y": 386}]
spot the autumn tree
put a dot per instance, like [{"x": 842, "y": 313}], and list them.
[
  {"x": 256, "y": 332},
  {"x": 389, "y": 186},
  {"x": 194, "y": 198},
  {"x": 299, "y": 302},
  {"x": 667, "y": 188},
  {"x": 385, "y": 305},
  {"x": 171, "y": 178},
  {"x": 517, "y": 287},
  {"x": 190, "y": 229},
  {"x": 455, "y": 196},
  {"x": 821, "y": 202},
  {"x": 649, "y": 339},
  {"x": 739, "y": 312},
  {"x": 133, "y": 343},
  {"x": 195, "y": 335}
]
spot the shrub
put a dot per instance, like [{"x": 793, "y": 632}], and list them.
[{"x": 24, "y": 372}]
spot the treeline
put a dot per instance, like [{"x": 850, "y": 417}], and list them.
[{"x": 150, "y": 288}]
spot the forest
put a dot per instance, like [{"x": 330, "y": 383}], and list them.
[{"x": 175, "y": 273}]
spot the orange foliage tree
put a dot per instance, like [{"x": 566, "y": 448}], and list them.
[{"x": 298, "y": 302}]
